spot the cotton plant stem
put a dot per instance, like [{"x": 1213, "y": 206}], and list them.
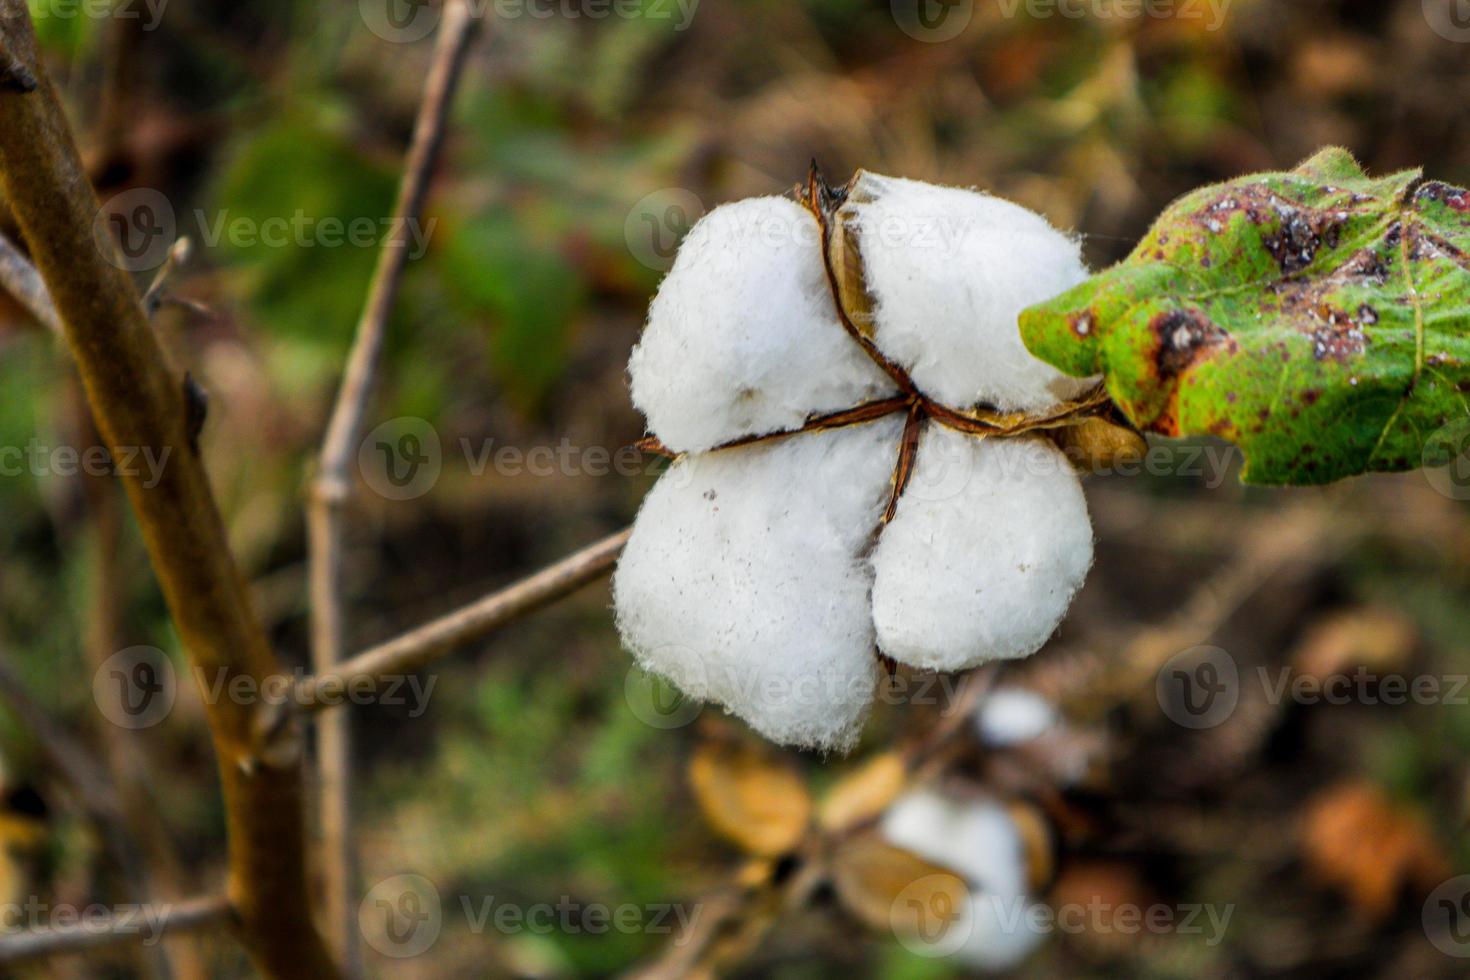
[
  {"x": 332, "y": 485},
  {"x": 138, "y": 403},
  {"x": 427, "y": 643},
  {"x": 139, "y": 924}
]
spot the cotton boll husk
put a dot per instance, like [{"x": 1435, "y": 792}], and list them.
[
  {"x": 744, "y": 583},
  {"x": 743, "y": 336},
  {"x": 979, "y": 840},
  {"x": 990, "y": 542},
  {"x": 949, "y": 270}
]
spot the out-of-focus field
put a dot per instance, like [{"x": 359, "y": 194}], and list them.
[{"x": 579, "y": 149}]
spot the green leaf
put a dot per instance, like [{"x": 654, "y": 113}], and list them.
[
  {"x": 497, "y": 267},
  {"x": 1318, "y": 318}
]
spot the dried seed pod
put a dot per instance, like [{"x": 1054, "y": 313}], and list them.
[
  {"x": 845, "y": 260},
  {"x": 1098, "y": 444}
]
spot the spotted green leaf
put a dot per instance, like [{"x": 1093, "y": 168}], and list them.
[{"x": 1318, "y": 318}]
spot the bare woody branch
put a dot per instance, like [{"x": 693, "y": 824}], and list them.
[
  {"x": 333, "y": 483},
  {"x": 422, "y": 646},
  {"x": 138, "y": 401},
  {"x": 121, "y": 927}
]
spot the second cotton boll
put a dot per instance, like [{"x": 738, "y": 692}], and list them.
[{"x": 763, "y": 572}]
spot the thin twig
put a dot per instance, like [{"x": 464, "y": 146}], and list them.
[
  {"x": 332, "y": 484},
  {"x": 73, "y": 762},
  {"x": 139, "y": 405},
  {"x": 134, "y": 924},
  {"x": 433, "y": 640},
  {"x": 95, "y": 792},
  {"x": 21, "y": 280}
]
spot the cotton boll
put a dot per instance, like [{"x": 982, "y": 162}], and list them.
[
  {"x": 990, "y": 542},
  {"x": 949, "y": 270},
  {"x": 744, "y": 582},
  {"x": 743, "y": 336},
  {"x": 978, "y": 840},
  {"x": 1012, "y": 715}
]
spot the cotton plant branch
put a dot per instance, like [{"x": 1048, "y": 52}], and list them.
[
  {"x": 138, "y": 924},
  {"x": 436, "y": 639},
  {"x": 138, "y": 401},
  {"x": 332, "y": 486},
  {"x": 21, "y": 280},
  {"x": 159, "y": 873}
]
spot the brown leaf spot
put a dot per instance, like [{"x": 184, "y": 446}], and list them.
[{"x": 1183, "y": 337}]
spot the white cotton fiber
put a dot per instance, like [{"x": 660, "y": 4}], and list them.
[
  {"x": 990, "y": 542},
  {"x": 979, "y": 841},
  {"x": 744, "y": 581},
  {"x": 743, "y": 336},
  {"x": 949, "y": 270},
  {"x": 1012, "y": 715}
]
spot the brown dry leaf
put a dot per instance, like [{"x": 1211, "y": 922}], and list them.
[
  {"x": 1370, "y": 848},
  {"x": 864, "y": 794},
  {"x": 1113, "y": 889},
  {"x": 1036, "y": 835},
  {"x": 887, "y": 888},
  {"x": 1096, "y": 444},
  {"x": 750, "y": 797},
  {"x": 1371, "y": 637}
]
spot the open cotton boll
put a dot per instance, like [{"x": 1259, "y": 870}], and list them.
[
  {"x": 743, "y": 337},
  {"x": 744, "y": 584},
  {"x": 990, "y": 542},
  {"x": 978, "y": 840},
  {"x": 949, "y": 270},
  {"x": 1012, "y": 715}
]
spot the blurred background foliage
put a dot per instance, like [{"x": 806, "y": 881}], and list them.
[{"x": 530, "y": 777}]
